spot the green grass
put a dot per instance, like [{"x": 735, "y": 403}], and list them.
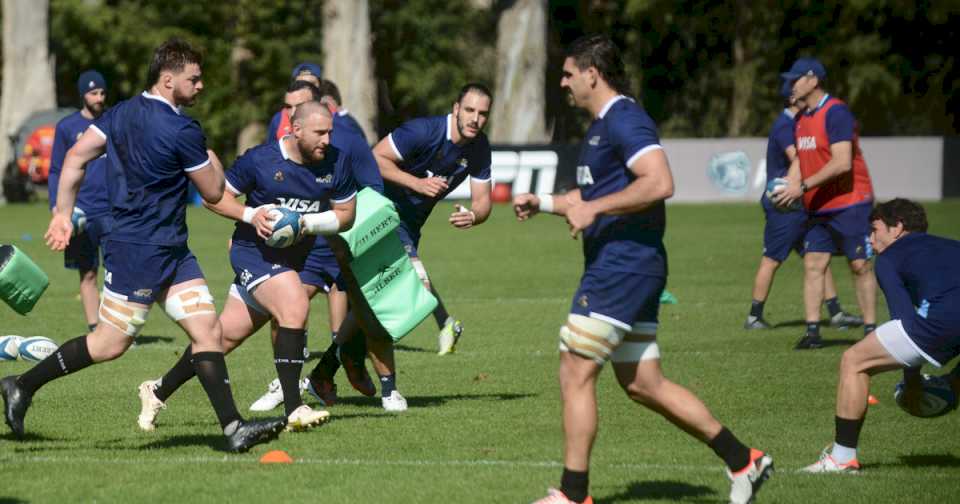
[{"x": 483, "y": 424}]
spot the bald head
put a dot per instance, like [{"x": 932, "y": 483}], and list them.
[{"x": 307, "y": 109}]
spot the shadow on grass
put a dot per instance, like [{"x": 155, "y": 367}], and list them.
[
  {"x": 663, "y": 490},
  {"x": 426, "y": 401},
  {"x": 152, "y": 340},
  {"x": 930, "y": 460},
  {"x": 12, "y": 500},
  {"x": 27, "y": 437},
  {"x": 214, "y": 441},
  {"x": 407, "y": 348}
]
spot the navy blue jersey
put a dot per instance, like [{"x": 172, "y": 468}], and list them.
[
  {"x": 274, "y": 126},
  {"x": 151, "y": 146},
  {"x": 781, "y": 137},
  {"x": 920, "y": 277},
  {"x": 631, "y": 243},
  {"x": 266, "y": 174},
  {"x": 348, "y": 137},
  {"x": 92, "y": 197},
  {"x": 424, "y": 148}
]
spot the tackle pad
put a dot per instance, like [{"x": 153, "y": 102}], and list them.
[{"x": 22, "y": 282}]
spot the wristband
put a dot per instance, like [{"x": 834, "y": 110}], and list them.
[
  {"x": 323, "y": 223},
  {"x": 546, "y": 203},
  {"x": 248, "y": 213}
]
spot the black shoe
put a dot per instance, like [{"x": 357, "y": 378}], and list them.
[
  {"x": 755, "y": 323},
  {"x": 16, "y": 401},
  {"x": 254, "y": 432},
  {"x": 809, "y": 342}
]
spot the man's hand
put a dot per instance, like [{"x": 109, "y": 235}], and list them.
[
  {"x": 462, "y": 218},
  {"x": 58, "y": 232},
  {"x": 790, "y": 193},
  {"x": 431, "y": 186},
  {"x": 526, "y": 205},
  {"x": 263, "y": 221},
  {"x": 579, "y": 217}
]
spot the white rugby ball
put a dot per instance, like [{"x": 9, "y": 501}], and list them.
[
  {"x": 286, "y": 227},
  {"x": 9, "y": 347},
  {"x": 79, "y": 220},
  {"x": 938, "y": 397},
  {"x": 774, "y": 187},
  {"x": 36, "y": 348}
]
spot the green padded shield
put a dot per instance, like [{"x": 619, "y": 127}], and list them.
[
  {"x": 22, "y": 282},
  {"x": 383, "y": 270}
]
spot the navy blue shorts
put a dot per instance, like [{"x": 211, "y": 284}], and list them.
[
  {"x": 621, "y": 299},
  {"x": 141, "y": 272},
  {"x": 409, "y": 238},
  {"x": 783, "y": 232},
  {"x": 83, "y": 252},
  {"x": 254, "y": 264},
  {"x": 846, "y": 231},
  {"x": 321, "y": 269}
]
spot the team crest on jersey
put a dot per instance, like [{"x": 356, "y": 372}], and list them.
[
  {"x": 584, "y": 177},
  {"x": 582, "y": 301},
  {"x": 299, "y": 205},
  {"x": 326, "y": 179},
  {"x": 594, "y": 141},
  {"x": 278, "y": 176},
  {"x": 442, "y": 177}
]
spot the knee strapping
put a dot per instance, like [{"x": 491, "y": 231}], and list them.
[
  {"x": 590, "y": 338},
  {"x": 116, "y": 311},
  {"x": 639, "y": 344},
  {"x": 189, "y": 302}
]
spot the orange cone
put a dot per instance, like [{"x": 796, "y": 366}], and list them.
[
  {"x": 276, "y": 457},
  {"x": 872, "y": 401}
]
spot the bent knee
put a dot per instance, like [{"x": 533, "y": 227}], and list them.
[{"x": 861, "y": 267}]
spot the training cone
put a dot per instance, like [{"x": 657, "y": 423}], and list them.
[
  {"x": 276, "y": 457},
  {"x": 872, "y": 401}
]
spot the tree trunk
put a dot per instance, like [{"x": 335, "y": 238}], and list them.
[
  {"x": 744, "y": 71},
  {"x": 348, "y": 58},
  {"x": 519, "y": 107},
  {"x": 28, "y": 84}
]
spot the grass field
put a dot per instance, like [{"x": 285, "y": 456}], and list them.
[{"x": 484, "y": 423}]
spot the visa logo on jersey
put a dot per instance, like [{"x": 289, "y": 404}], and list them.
[
  {"x": 299, "y": 205},
  {"x": 807, "y": 143},
  {"x": 584, "y": 177}
]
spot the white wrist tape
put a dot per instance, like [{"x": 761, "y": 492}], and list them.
[
  {"x": 248, "y": 213},
  {"x": 323, "y": 223},
  {"x": 546, "y": 203}
]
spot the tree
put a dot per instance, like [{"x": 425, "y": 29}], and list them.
[
  {"x": 348, "y": 58},
  {"x": 27, "y": 69}
]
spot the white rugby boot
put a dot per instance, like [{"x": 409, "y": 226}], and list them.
[
  {"x": 150, "y": 406},
  {"x": 394, "y": 403},
  {"x": 745, "y": 483},
  {"x": 449, "y": 336},
  {"x": 305, "y": 417}
]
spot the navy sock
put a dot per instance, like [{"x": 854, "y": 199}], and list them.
[
  {"x": 180, "y": 373},
  {"x": 848, "y": 432},
  {"x": 574, "y": 484},
  {"x": 288, "y": 359},
  {"x": 388, "y": 384},
  {"x": 734, "y": 453},
  {"x": 756, "y": 309},
  {"x": 211, "y": 370},
  {"x": 71, "y": 357},
  {"x": 833, "y": 306},
  {"x": 867, "y": 329},
  {"x": 813, "y": 328}
]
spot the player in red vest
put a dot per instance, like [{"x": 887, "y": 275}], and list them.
[{"x": 831, "y": 176}]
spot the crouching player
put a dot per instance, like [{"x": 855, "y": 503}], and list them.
[
  {"x": 623, "y": 177},
  {"x": 920, "y": 277},
  {"x": 301, "y": 170}
]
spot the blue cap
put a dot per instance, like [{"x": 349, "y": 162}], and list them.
[
  {"x": 310, "y": 68},
  {"x": 805, "y": 66},
  {"x": 90, "y": 80},
  {"x": 786, "y": 89}
]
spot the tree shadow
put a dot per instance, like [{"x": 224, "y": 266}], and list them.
[{"x": 663, "y": 490}]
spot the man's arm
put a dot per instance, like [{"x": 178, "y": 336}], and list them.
[
  {"x": 209, "y": 179},
  {"x": 527, "y": 205},
  {"x": 90, "y": 146},
  {"x": 389, "y": 164},
  {"x": 56, "y": 163},
  {"x": 479, "y": 210},
  {"x": 230, "y": 207},
  {"x": 338, "y": 219}
]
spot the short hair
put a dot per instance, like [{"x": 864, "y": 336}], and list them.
[
  {"x": 475, "y": 87},
  {"x": 300, "y": 85},
  {"x": 308, "y": 108},
  {"x": 600, "y": 52},
  {"x": 173, "y": 55},
  {"x": 328, "y": 88},
  {"x": 901, "y": 210}
]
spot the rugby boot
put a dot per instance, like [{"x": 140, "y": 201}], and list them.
[
  {"x": 809, "y": 341},
  {"x": 745, "y": 483},
  {"x": 555, "y": 496},
  {"x": 16, "y": 401},
  {"x": 356, "y": 370},
  {"x": 150, "y": 406},
  {"x": 322, "y": 389},
  {"x": 254, "y": 432},
  {"x": 305, "y": 417},
  {"x": 394, "y": 403},
  {"x": 755, "y": 323},
  {"x": 827, "y": 464},
  {"x": 449, "y": 336},
  {"x": 843, "y": 320}
]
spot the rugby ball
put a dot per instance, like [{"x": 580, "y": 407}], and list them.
[
  {"x": 286, "y": 227},
  {"x": 773, "y": 188},
  {"x": 937, "y": 399},
  {"x": 36, "y": 348},
  {"x": 9, "y": 347},
  {"x": 79, "y": 220}
]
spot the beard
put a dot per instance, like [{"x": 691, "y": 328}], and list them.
[
  {"x": 461, "y": 127},
  {"x": 182, "y": 100},
  {"x": 96, "y": 109},
  {"x": 309, "y": 154}
]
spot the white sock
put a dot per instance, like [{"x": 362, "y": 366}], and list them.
[{"x": 842, "y": 454}]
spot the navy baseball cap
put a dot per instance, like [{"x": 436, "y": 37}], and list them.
[
  {"x": 306, "y": 67},
  {"x": 804, "y": 66},
  {"x": 786, "y": 89},
  {"x": 89, "y": 81}
]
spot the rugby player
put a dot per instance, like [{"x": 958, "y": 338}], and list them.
[
  {"x": 831, "y": 176},
  {"x": 623, "y": 178},
  {"x": 920, "y": 278},
  {"x": 424, "y": 160},
  {"x": 153, "y": 151},
  {"x": 83, "y": 251},
  {"x": 784, "y": 228}
]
